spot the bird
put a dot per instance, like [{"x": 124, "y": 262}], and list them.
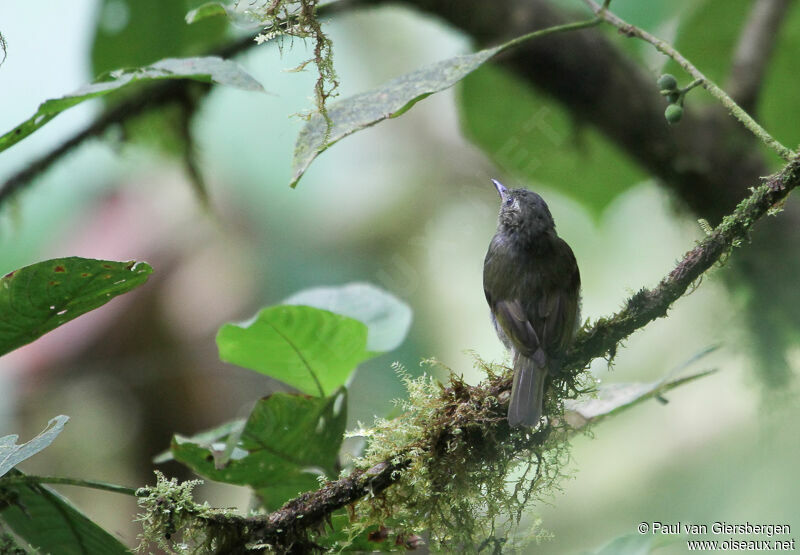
[{"x": 532, "y": 284}]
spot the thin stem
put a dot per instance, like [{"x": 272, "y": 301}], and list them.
[
  {"x": 550, "y": 30},
  {"x": 668, "y": 50},
  {"x": 691, "y": 85},
  {"x": 94, "y": 484}
]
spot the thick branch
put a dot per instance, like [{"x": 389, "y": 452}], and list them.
[
  {"x": 754, "y": 51},
  {"x": 282, "y": 529},
  {"x": 649, "y": 304}
]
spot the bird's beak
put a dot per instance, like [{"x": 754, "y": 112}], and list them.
[{"x": 501, "y": 189}]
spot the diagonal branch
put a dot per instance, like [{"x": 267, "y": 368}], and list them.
[
  {"x": 149, "y": 98},
  {"x": 754, "y": 51},
  {"x": 288, "y": 527},
  {"x": 667, "y": 49}
]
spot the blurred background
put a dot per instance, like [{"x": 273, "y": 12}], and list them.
[{"x": 406, "y": 205}]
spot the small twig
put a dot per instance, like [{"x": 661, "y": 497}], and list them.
[
  {"x": 4, "y": 48},
  {"x": 151, "y": 97},
  {"x": 93, "y": 484},
  {"x": 667, "y": 49},
  {"x": 550, "y": 30},
  {"x": 161, "y": 94},
  {"x": 187, "y": 109},
  {"x": 691, "y": 85},
  {"x": 754, "y": 51}
]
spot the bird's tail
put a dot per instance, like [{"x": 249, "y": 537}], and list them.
[{"x": 525, "y": 407}]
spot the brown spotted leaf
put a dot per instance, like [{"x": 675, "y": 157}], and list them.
[{"x": 39, "y": 298}]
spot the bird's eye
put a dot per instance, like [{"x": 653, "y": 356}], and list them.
[{"x": 509, "y": 201}]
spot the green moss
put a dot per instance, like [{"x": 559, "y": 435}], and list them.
[
  {"x": 298, "y": 19},
  {"x": 177, "y": 525},
  {"x": 470, "y": 477}
]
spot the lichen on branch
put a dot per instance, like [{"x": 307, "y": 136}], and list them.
[
  {"x": 299, "y": 19},
  {"x": 468, "y": 476}
]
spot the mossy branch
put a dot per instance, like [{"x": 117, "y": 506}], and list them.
[
  {"x": 466, "y": 425},
  {"x": 602, "y": 338},
  {"x": 602, "y": 12}
]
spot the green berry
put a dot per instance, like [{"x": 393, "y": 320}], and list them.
[
  {"x": 673, "y": 97},
  {"x": 667, "y": 82},
  {"x": 673, "y": 113}
]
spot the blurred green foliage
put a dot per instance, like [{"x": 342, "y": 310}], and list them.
[
  {"x": 286, "y": 444},
  {"x": 532, "y": 137}
]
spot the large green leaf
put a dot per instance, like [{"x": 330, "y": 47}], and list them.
[
  {"x": 12, "y": 454},
  {"x": 39, "y": 298},
  {"x": 286, "y": 443},
  {"x": 49, "y": 522},
  {"x": 310, "y": 349},
  {"x": 388, "y": 101},
  {"x": 532, "y": 137},
  {"x": 387, "y": 317},
  {"x": 209, "y": 69}
]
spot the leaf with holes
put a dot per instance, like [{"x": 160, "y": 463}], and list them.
[
  {"x": 310, "y": 349},
  {"x": 39, "y": 298},
  {"x": 209, "y": 69},
  {"x": 286, "y": 443},
  {"x": 12, "y": 454}
]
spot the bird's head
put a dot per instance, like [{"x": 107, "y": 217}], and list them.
[{"x": 523, "y": 212}]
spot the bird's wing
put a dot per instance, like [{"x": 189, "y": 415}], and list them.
[
  {"x": 557, "y": 309},
  {"x": 517, "y": 326}
]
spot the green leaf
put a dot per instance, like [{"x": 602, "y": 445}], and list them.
[
  {"x": 133, "y": 33},
  {"x": 12, "y": 454},
  {"x": 532, "y": 137},
  {"x": 207, "y": 437},
  {"x": 245, "y": 14},
  {"x": 209, "y": 9},
  {"x": 310, "y": 349},
  {"x": 387, "y": 317},
  {"x": 614, "y": 398},
  {"x": 239, "y": 13},
  {"x": 391, "y": 100},
  {"x": 50, "y": 523},
  {"x": 208, "y": 70},
  {"x": 286, "y": 443},
  {"x": 39, "y": 298}
]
